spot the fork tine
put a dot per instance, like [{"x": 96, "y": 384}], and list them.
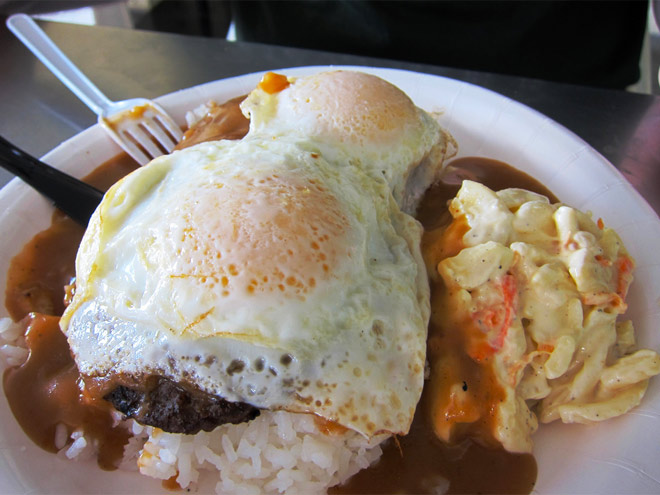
[
  {"x": 152, "y": 125},
  {"x": 142, "y": 129},
  {"x": 126, "y": 141},
  {"x": 128, "y": 144},
  {"x": 170, "y": 126},
  {"x": 140, "y": 133}
]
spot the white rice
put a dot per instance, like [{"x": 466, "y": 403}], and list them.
[
  {"x": 195, "y": 115},
  {"x": 13, "y": 351},
  {"x": 278, "y": 452}
]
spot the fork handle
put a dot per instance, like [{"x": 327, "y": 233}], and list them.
[
  {"x": 59, "y": 64},
  {"x": 74, "y": 197}
]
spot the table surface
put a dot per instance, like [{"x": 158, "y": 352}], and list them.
[{"x": 38, "y": 112}]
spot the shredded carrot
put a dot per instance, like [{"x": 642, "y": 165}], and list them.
[
  {"x": 600, "y": 223},
  {"x": 624, "y": 265},
  {"x": 510, "y": 293},
  {"x": 545, "y": 348},
  {"x": 497, "y": 320}
]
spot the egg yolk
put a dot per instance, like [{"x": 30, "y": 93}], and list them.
[{"x": 273, "y": 83}]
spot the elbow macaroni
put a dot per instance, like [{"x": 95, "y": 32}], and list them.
[{"x": 565, "y": 354}]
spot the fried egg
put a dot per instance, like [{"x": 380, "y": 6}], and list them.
[
  {"x": 260, "y": 272},
  {"x": 356, "y": 118}
]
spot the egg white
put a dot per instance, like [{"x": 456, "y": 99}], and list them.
[
  {"x": 359, "y": 119},
  {"x": 262, "y": 273}
]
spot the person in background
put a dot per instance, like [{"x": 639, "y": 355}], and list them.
[{"x": 596, "y": 43}]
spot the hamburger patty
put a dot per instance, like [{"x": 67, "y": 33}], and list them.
[{"x": 175, "y": 409}]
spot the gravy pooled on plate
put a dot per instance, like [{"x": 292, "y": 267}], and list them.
[
  {"x": 495, "y": 468},
  {"x": 415, "y": 465}
]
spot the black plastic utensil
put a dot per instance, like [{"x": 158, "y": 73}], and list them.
[{"x": 75, "y": 198}]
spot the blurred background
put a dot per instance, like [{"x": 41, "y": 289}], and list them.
[{"x": 611, "y": 44}]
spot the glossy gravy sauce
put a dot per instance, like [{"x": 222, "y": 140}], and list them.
[
  {"x": 44, "y": 391},
  {"x": 419, "y": 462},
  {"x": 38, "y": 274}
]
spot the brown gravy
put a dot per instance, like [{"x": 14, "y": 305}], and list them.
[
  {"x": 419, "y": 462},
  {"x": 497, "y": 175},
  {"x": 415, "y": 463},
  {"x": 44, "y": 391},
  {"x": 224, "y": 121},
  {"x": 37, "y": 275}
]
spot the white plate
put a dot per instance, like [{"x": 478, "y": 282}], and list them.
[{"x": 618, "y": 456}]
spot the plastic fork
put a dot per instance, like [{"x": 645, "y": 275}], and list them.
[{"x": 142, "y": 128}]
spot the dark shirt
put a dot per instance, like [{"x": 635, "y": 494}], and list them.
[{"x": 594, "y": 43}]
